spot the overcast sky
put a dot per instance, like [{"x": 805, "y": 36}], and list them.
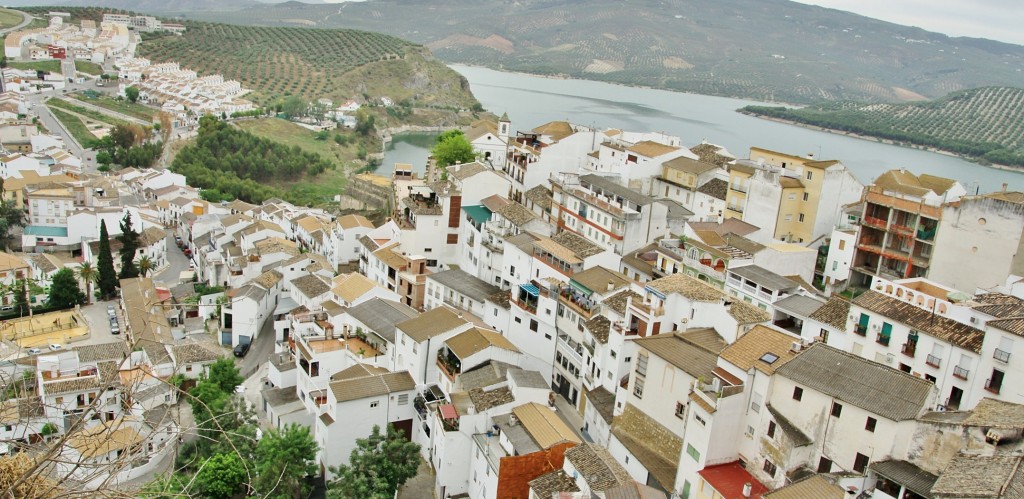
[{"x": 994, "y": 19}]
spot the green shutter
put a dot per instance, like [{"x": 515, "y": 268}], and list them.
[
  {"x": 864, "y": 318},
  {"x": 886, "y": 329}
]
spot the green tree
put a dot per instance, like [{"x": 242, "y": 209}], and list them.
[
  {"x": 64, "y": 291},
  {"x": 10, "y": 217},
  {"x": 145, "y": 265},
  {"x": 224, "y": 373},
  {"x": 452, "y": 148},
  {"x": 106, "y": 279},
  {"x": 132, "y": 93},
  {"x": 379, "y": 465},
  {"x": 87, "y": 273},
  {"x": 365, "y": 122},
  {"x": 104, "y": 158},
  {"x": 283, "y": 460},
  {"x": 21, "y": 301},
  {"x": 221, "y": 476},
  {"x": 294, "y": 106},
  {"x": 129, "y": 245}
]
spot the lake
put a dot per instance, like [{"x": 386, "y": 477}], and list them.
[{"x": 533, "y": 100}]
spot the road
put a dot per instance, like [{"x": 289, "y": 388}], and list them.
[
  {"x": 108, "y": 112},
  {"x": 260, "y": 351},
  {"x": 177, "y": 263}
]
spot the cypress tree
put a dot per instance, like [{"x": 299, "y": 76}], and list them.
[
  {"x": 129, "y": 245},
  {"x": 107, "y": 279}
]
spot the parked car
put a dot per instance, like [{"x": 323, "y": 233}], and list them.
[
  {"x": 56, "y": 346},
  {"x": 34, "y": 351},
  {"x": 242, "y": 349},
  {"x": 111, "y": 311},
  {"x": 115, "y": 328},
  {"x": 188, "y": 252}
]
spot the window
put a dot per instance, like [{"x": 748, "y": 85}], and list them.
[
  {"x": 700, "y": 420},
  {"x": 755, "y": 402},
  {"x": 638, "y": 387},
  {"x": 842, "y": 244},
  {"x": 453, "y": 239},
  {"x": 798, "y": 393},
  {"x": 518, "y": 320},
  {"x": 810, "y": 175},
  {"x": 374, "y": 404},
  {"x": 824, "y": 335},
  {"x": 692, "y": 452},
  {"x": 641, "y": 364},
  {"x": 860, "y": 463},
  {"x": 837, "y": 409},
  {"x": 824, "y": 465},
  {"x": 403, "y": 399},
  {"x": 801, "y": 217},
  {"x": 771, "y": 429},
  {"x": 769, "y": 468},
  {"x": 789, "y": 218},
  {"x": 680, "y": 410},
  {"x": 806, "y": 196},
  {"x": 428, "y": 250},
  {"x": 870, "y": 425},
  {"x": 533, "y": 325}
]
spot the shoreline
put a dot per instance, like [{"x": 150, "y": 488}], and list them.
[
  {"x": 563, "y": 76},
  {"x": 871, "y": 138}
]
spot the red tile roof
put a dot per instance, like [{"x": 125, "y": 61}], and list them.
[{"x": 729, "y": 479}]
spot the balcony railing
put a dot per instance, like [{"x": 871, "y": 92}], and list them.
[
  {"x": 861, "y": 329},
  {"x": 933, "y": 361},
  {"x": 883, "y": 339},
  {"x": 738, "y": 187},
  {"x": 960, "y": 372},
  {"x": 993, "y": 386},
  {"x": 1001, "y": 355},
  {"x": 875, "y": 222},
  {"x": 908, "y": 349}
]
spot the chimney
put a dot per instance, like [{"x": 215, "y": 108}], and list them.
[
  {"x": 747, "y": 489},
  {"x": 611, "y": 285},
  {"x": 1005, "y": 185}
]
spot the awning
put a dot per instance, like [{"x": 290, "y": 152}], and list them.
[
  {"x": 581, "y": 288},
  {"x": 287, "y": 304},
  {"x": 479, "y": 214},
  {"x": 530, "y": 289},
  {"x": 448, "y": 411}
]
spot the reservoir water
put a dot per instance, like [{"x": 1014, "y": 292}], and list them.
[{"x": 533, "y": 100}]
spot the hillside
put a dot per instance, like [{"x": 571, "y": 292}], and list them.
[
  {"x": 276, "y": 62},
  {"x": 773, "y": 50},
  {"x": 985, "y": 124}
]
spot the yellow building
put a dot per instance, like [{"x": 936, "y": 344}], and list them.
[{"x": 793, "y": 198}]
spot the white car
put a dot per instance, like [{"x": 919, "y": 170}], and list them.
[
  {"x": 56, "y": 346},
  {"x": 34, "y": 351}
]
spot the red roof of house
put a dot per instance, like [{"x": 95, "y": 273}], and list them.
[{"x": 728, "y": 480}]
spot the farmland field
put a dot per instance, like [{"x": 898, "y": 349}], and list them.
[
  {"x": 985, "y": 124},
  {"x": 313, "y": 64}
]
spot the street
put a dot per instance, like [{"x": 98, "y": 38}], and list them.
[
  {"x": 260, "y": 351},
  {"x": 177, "y": 263}
]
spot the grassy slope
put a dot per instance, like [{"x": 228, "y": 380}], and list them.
[
  {"x": 139, "y": 111},
  {"x": 329, "y": 183},
  {"x": 89, "y": 68},
  {"x": 49, "y": 66},
  {"x": 9, "y": 18},
  {"x": 94, "y": 115},
  {"x": 986, "y": 123},
  {"x": 74, "y": 125}
]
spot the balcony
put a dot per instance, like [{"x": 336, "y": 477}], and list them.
[
  {"x": 909, "y": 349},
  {"x": 875, "y": 222},
  {"x": 448, "y": 363},
  {"x": 960, "y": 372},
  {"x": 738, "y": 187},
  {"x": 882, "y": 339},
  {"x": 933, "y": 361},
  {"x": 1001, "y": 356},
  {"x": 576, "y": 301},
  {"x": 993, "y": 386}
]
